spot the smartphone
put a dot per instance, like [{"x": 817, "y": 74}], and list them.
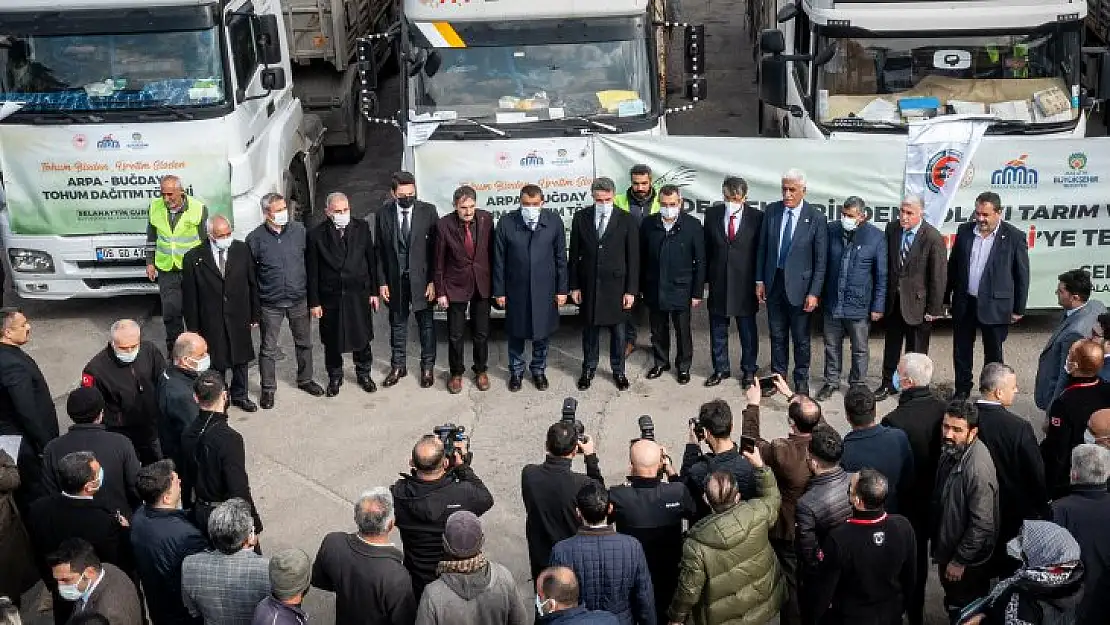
[
  {"x": 747, "y": 444},
  {"x": 767, "y": 383}
]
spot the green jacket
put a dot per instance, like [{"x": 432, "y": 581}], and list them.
[{"x": 729, "y": 574}]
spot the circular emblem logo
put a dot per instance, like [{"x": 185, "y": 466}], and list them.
[
  {"x": 941, "y": 166},
  {"x": 1077, "y": 161},
  {"x": 80, "y": 142}
]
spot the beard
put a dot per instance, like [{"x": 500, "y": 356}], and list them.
[{"x": 953, "y": 448}]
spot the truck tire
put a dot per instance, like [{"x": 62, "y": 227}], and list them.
[
  {"x": 298, "y": 198},
  {"x": 353, "y": 152}
]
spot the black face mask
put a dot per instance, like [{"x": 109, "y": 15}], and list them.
[{"x": 407, "y": 201}]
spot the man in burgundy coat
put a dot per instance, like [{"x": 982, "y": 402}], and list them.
[{"x": 463, "y": 257}]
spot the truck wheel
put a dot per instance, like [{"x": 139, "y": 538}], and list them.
[
  {"x": 298, "y": 199},
  {"x": 353, "y": 152}
]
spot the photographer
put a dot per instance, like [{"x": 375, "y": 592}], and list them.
[
  {"x": 439, "y": 485},
  {"x": 714, "y": 425},
  {"x": 651, "y": 510},
  {"x": 549, "y": 490}
]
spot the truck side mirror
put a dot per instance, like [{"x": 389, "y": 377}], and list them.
[
  {"x": 773, "y": 74},
  {"x": 433, "y": 63},
  {"x": 269, "y": 40},
  {"x": 272, "y": 79},
  {"x": 826, "y": 54},
  {"x": 787, "y": 13},
  {"x": 772, "y": 41},
  {"x": 695, "y": 50},
  {"x": 696, "y": 89}
]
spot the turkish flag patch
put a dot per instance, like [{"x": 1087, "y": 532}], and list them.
[
  {"x": 1055, "y": 422},
  {"x": 87, "y": 380},
  {"x": 820, "y": 555}
]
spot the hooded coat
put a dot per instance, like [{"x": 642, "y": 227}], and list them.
[
  {"x": 729, "y": 574},
  {"x": 1048, "y": 588},
  {"x": 484, "y": 597}
]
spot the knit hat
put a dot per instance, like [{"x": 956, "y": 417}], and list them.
[
  {"x": 84, "y": 404},
  {"x": 1045, "y": 544},
  {"x": 463, "y": 537},
  {"x": 290, "y": 573}
]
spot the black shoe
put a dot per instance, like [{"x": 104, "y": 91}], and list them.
[
  {"x": 333, "y": 387},
  {"x": 826, "y": 392},
  {"x": 747, "y": 381},
  {"x": 245, "y": 404},
  {"x": 312, "y": 388},
  {"x": 367, "y": 384},
  {"x": 266, "y": 400},
  {"x": 621, "y": 381},
  {"x": 716, "y": 378},
  {"x": 514, "y": 383},
  {"x": 427, "y": 378},
  {"x": 683, "y": 377},
  {"x": 884, "y": 391},
  {"x": 960, "y": 396},
  {"x": 395, "y": 375},
  {"x": 540, "y": 381},
  {"x": 657, "y": 371},
  {"x": 585, "y": 380}
]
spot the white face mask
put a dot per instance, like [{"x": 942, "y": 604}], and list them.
[
  {"x": 341, "y": 219},
  {"x": 126, "y": 357},
  {"x": 530, "y": 213},
  {"x": 669, "y": 212},
  {"x": 848, "y": 224},
  {"x": 605, "y": 207},
  {"x": 71, "y": 592},
  {"x": 222, "y": 244},
  {"x": 280, "y": 219},
  {"x": 1089, "y": 438},
  {"x": 539, "y": 606},
  {"x": 734, "y": 207},
  {"x": 204, "y": 363}
]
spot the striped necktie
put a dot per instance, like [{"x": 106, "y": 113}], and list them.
[{"x": 907, "y": 243}]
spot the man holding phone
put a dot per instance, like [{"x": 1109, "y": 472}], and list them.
[{"x": 714, "y": 425}]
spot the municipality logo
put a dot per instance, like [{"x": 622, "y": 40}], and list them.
[
  {"x": 1077, "y": 176},
  {"x": 108, "y": 142},
  {"x": 942, "y": 166},
  {"x": 1015, "y": 174},
  {"x": 532, "y": 160},
  {"x": 137, "y": 142}
]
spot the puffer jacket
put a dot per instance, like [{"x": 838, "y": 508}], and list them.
[
  {"x": 965, "y": 503},
  {"x": 729, "y": 574},
  {"x": 822, "y": 507}
]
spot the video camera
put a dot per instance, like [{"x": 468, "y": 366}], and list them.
[
  {"x": 647, "y": 428},
  {"x": 451, "y": 435},
  {"x": 570, "y": 410},
  {"x": 699, "y": 429}
]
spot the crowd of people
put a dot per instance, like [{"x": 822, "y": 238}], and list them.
[{"x": 143, "y": 509}]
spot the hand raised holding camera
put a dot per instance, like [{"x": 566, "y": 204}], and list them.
[
  {"x": 587, "y": 447},
  {"x": 754, "y": 457}
]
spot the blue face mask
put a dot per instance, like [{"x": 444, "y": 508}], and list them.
[{"x": 896, "y": 382}]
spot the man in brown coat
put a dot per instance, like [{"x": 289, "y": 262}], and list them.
[
  {"x": 92, "y": 586},
  {"x": 917, "y": 270},
  {"x": 463, "y": 257}
]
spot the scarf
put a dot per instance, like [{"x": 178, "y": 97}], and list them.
[{"x": 469, "y": 565}]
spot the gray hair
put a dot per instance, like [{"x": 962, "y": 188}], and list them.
[
  {"x": 992, "y": 376},
  {"x": 919, "y": 368},
  {"x": 374, "y": 511},
  {"x": 795, "y": 175},
  {"x": 230, "y": 525},
  {"x": 269, "y": 199},
  {"x": 333, "y": 197},
  {"x": 184, "y": 346},
  {"x": 914, "y": 199},
  {"x": 215, "y": 219},
  {"x": 121, "y": 326},
  {"x": 172, "y": 178},
  {"x": 9, "y": 614},
  {"x": 1090, "y": 464},
  {"x": 603, "y": 184}
]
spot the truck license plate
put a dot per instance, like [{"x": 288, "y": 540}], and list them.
[{"x": 120, "y": 253}]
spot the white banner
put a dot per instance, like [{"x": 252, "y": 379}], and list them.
[{"x": 938, "y": 154}]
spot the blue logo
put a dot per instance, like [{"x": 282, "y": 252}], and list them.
[
  {"x": 532, "y": 160},
  {"x": 107, "y": 143},
  {"x": 1015, "y": 174}
]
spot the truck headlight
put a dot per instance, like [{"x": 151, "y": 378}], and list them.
[{"x": 30, "y": 261}]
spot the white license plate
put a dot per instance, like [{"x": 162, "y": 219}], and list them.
[{"x": 120, "y": 253}]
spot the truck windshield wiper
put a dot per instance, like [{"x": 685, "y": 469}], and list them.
[
  {"x": 473, "y": 122},
  {"x": 594, "y": 123},
  {"x": 165, "y": 108},
  {"x": 56, "y": 117},
  {"x": 842, "y": 123}
]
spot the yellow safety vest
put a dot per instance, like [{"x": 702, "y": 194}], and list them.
[
  {"x": 622, "y": 202},
  {"x": 172, "y": 243}
]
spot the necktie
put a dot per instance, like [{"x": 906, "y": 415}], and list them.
[
  {"x": 468, "y": 242},
  {"x": 406, "y": 228},
  {"x": 907, "y": 243},
  {"x": 787, "y": 235},
  {"x": 222, "y": 261},
  {"x": 732, "y": 227},
  {"x": 531, "y": 224},
  {"x": 600, "y": 225}
]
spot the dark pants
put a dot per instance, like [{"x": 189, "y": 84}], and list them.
[
  {"x": 785, "y": 322},
  {"x": 661, "y": 338},
  {"x": 537, "y": 366},
  {"x": 749, "y": 343},
  {"x": 963, "y": 344},
  {"x": 916, "y": 598},
  {"x": 144, "y": 440},
  {"x": 591, "y": 353},
  {"x": 169, "y": 291},
  {"x": 479, "y": 334},
  {"x": 400, "y": 305},
  {"x": 238, "y": 387},
  {"x": 975, "y": 583},
  {"x": 857, "y": 331},
  {"x": 333, "y": 362},
  {"x": 788, "y": 560},
  {"x": 300, "y": 326},
  {"x": 635, "y": 315},
  {"x": 899, "y": 334}
]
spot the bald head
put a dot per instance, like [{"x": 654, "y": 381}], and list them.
[
  {"x": 219, "y": 227},
  {"x": 427, "y": 455},
  {"x": 1099, "y": 425},
  {"x": 645, "y": 457},
  {"x": 557, "y": 588},
  {"x": 1085, "y": 357},
  {"x": 188, "y": 349}
]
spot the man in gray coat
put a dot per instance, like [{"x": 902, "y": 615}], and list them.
[
  {"x": 1080, "y": 315},
  {"x": 965, "y": 509}
]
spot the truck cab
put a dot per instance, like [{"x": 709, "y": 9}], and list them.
[{"x": 835, "y": 69}]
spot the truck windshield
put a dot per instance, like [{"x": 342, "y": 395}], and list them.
[
  {"x": 1029, "y": 78},
  {"x": 76, "y": 72},
  {"x": 516, "y": 73}
]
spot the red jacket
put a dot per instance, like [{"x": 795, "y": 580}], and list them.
[{"x": 457, "y": 275}]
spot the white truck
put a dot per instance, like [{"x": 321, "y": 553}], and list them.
[
  {"x": 101, "y": 98},
  {"x": 498, "y": 94},
  {"x": 849, "y": 68}
]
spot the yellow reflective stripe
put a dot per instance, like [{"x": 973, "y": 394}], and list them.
[{"x": 449, "y": 35}]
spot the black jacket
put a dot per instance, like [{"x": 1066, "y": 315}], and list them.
[
  {"x": 548, "y": 490},
  {"x": 58, "y": 517},
  {"x": 129, "y": 389},
  {"x": 116, "y": 456},
  {"x": 673, "y": 263},
  {"x": 730, "y": 265},
  {"x": 177, "y": 408},
  {"x": 822, "y": 507},
  {"x": 216, "y": 465},
  {"x": 342, "y": 276},
  {"x": 612, "y": 573},
  {"x": 884, "y": 449},
  {"x": 161, "y": 539},
  {"x": 1085, "y": 513},
  {"x": 1018, "y": 468},
  {"x": 422, "y": 509},
  {"x": 652, "y": 511},
  {"x": 279, "y": 263},
  {"x": 579, "y": 616},
  {"x": 697, "y": 467},
  {"x": 419, "y": 249},
  {"x": 605, "y": 267},
  {"x": 221, "y": 307},
  {"x": 1067, "y": 421},
  {"x": 1004, "y": 284},
  {"x": 867, "y": 571},
  {"x": 919, "y": 414},
  {"x": 27, "y": 410},
  {"x": 370, "y": 582}
]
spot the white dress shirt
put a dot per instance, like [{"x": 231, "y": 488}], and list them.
[
  {"x": 602, "y": 216},
  {"x": 783, "y": 234},
  {"x": 980, "y": 252},
  {"x": 216, "y": 254},
  {"x": 728, "y": 216}
]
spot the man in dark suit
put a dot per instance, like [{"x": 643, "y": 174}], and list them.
[
  {"x": 603, "y": 275},
  {"x": 530, "y": 282},
  {"x": 988, "y": 284},
  {"x": 94, "y": 587},
  {"x": 673, "y": 280},
  {"x": 917, "y": 273},
  {"x": 342, "y": 290},
  {"x": 789, "y": 274},
  {"x": 463, "y": 261},
  {"x": 405, "y": 228},
  {"x": 731, "y": 241},
  {"x": 1080, "y": 317},
  {"x": 220, "y": 302}
]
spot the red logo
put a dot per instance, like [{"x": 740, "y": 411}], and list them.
[
  {"x": 941, "y": 167},
  {"x": 80, "y": 142},
  {"x": 87, "y": 380},
  {"x": 1055, "y": 422}
]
